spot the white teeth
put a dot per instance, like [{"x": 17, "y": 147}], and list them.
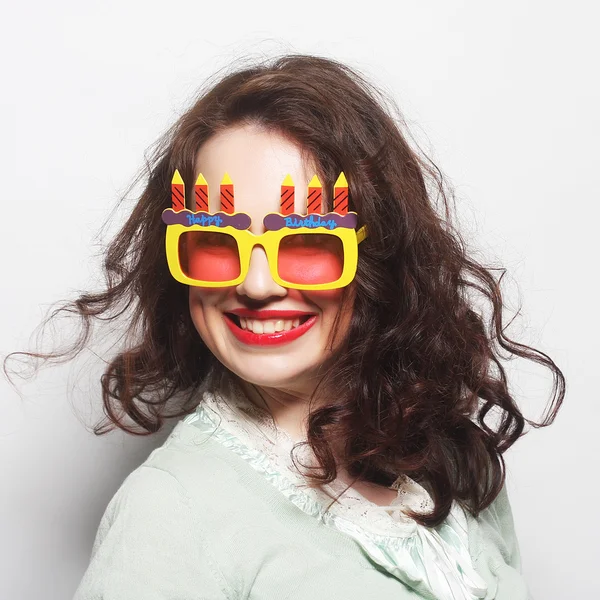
[{"x": 268, "y": 326}]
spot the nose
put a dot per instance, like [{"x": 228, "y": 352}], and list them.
[{"x": 259, "y": 284}]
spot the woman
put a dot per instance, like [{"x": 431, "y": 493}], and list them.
[{"x": 346, "y": 408}]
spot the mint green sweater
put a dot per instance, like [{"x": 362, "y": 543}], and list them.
[{"x": 198, "y": 520}]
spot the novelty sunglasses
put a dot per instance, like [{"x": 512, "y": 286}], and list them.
[{"x": 307, "y": 252}]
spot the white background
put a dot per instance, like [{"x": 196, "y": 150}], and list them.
[{"x": 504, "y": 96}]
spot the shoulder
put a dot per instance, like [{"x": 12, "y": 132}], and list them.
[
  {"x": 200, "y": 464},
  {"x": 495, "y": 548},
  {"x": 204, "y": 470},
  {"x": 152, "y": 541},
  {"x": 497, "y": 525}
]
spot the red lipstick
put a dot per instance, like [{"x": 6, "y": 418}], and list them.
[{"x": 268, "y": 339}]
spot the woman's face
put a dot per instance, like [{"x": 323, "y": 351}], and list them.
[{"x": 257, "y": 160}]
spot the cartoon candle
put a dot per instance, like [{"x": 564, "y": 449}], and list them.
[
  {"x": 227, "y": 194},
  {"x": 340, "y": 195},
  {"x": 201, "y": 194},
  {"x": 286, "y": 206},
  {"x": 177, "y": 192},
  {"x": 315, "y": 194}
]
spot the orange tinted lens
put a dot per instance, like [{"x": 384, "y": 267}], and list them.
[
  {"x": 310, "y": 258},
  {"x": 209, "y": 256}
]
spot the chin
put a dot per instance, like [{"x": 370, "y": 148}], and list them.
[{"x": 278, "y": 372}]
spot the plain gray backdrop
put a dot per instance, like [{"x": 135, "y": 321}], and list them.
[{"x": 504, "y": 97}]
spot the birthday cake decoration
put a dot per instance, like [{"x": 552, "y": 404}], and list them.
[{"x": 178, "y": 214}]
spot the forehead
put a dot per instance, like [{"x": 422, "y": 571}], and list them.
[{"x": 257, "y": 160}]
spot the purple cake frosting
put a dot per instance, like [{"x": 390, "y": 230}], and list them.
[
  {"x": 272, "y": 222},
  {"x": 275, "y": 222},
  {"x": 220, "y": 219}
]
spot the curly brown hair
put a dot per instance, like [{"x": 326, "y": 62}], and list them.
[{"x": 419, "y": 375}]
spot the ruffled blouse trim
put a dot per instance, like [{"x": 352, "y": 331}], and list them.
[{"x": 433, "y": 561}]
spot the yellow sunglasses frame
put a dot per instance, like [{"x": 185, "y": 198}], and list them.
[{"x": 269, "y": 240}]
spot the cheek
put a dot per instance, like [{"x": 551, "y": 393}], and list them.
[
  {"x": 326, "y": 300},
  {"x": 202, "y": 304},
  {"x": 332, "y": 302}
]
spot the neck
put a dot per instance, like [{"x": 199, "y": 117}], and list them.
[
  {"x": 290, "y": 411},
  {"x": 288, "y": 408}
]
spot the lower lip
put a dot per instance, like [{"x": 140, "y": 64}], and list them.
[{"x": 269, "y": 339}]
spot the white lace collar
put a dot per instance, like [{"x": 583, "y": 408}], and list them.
[{"x": 431, "y": 560}]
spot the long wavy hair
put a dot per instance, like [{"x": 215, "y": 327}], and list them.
[{"x": 421, "y": 387}]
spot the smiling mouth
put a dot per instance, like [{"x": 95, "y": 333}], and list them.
[
  {"x": 269, "y": 332},
  {"x": 267, "y": 326}
]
